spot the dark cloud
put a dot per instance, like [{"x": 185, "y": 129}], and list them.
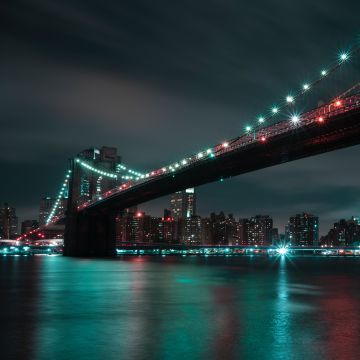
[{"x": 163, "y": 79}]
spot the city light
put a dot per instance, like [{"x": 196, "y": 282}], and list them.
[{"x": 282, "y": 251}]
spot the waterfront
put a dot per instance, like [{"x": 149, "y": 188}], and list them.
[{"x": 174, "y": 308}]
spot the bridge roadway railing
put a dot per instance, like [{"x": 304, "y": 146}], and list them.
[{"x": 264, "y": 134}]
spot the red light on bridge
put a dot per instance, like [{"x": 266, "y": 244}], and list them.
[
  {"x": 320, "y": 119},
  {"x": 139, "y": 214},
  {"x": 338, "y": 103},
  {"x": 263, "y": 139}
]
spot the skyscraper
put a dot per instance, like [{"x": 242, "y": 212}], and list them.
[
  {"x": 183, "y": 204},
  {"x": 192, "y": 230},
  {"x": 8, "y": 222},
  {"x": 303, "y": 230}
]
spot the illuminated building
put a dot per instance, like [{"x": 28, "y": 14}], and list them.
[
  {"x": 220, "y": 230},
  {"x": 257, "y": 230},
  {"x": 183, "y": 204},
  {"x": 192, "y": 230},
  {"x": 168, "y": 230},
  {"x": 132, "y": 227},
  {"x": 8, "y": 222},
  {"x": 303, "y": 230},
  {"x": 343, "y": 233}
]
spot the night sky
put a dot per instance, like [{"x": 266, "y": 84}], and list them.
[{"x": 163, "y": 79}]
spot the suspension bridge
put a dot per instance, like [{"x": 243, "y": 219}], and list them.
[{"x": 282, "y": 135}]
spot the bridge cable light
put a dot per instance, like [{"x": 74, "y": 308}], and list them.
[
  {"x": 344, "y": 56},
  {"x": 295, "y": 119}
]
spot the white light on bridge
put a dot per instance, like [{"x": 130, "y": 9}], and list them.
[
  {"x": 261, "y": 119},
  {"x": 225, "y": 144},
  {"x": 295, "y": 119},
  {"x": 323, "y": 72},
  {"x": 344, "y": 56},
  {"x": 289, "y": 99},
  {"x": 306, "y": 86},
  {"x": 274, "y": 110},
  {"x": 248, "y": 128}
]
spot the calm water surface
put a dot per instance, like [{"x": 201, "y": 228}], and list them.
[{"x": 179, "y": 308}]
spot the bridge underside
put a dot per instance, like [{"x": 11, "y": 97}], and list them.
[{"x": 90, "y": 232}]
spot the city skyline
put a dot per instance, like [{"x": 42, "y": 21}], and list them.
[{"x": 180, "y": 179}]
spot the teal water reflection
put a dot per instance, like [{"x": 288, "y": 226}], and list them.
[{"x": 180, "y": 308}]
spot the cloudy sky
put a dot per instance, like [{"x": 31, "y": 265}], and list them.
[{"x": 163, "y": 79}]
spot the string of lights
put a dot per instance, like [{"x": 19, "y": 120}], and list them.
[
  {"x": 275, "y": 110},
  {"x": 95, "y": 170},
  {"x": 59, "y": 197},
  {"x": 111, "y": 174},
  {"x": 305, "y": 88}
]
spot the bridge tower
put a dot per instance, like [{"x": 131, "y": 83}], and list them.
[{"x": 91, "y": 233}]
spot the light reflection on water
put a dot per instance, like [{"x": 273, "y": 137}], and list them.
[{"x": 180, "y": 308}]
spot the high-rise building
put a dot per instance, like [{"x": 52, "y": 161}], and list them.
[
  {"x": 46, "y": 205},
  {"x": 344, "y": 233},
  {"x": 8, "y": 222},
  {"x": 303, "y": 230},
  {"x": 220, "y": 230},
  {"x": 206, "y": 231},
  {"x": 192, "y": 230},
  {"x": 257, "y": 230},
  {"x": 183, "y": 204},
  {"x": 133, "y": 227},
  {"x": 168, "y": 228}
]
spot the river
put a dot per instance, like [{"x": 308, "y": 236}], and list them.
[{"x": 53, "y": 307}]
